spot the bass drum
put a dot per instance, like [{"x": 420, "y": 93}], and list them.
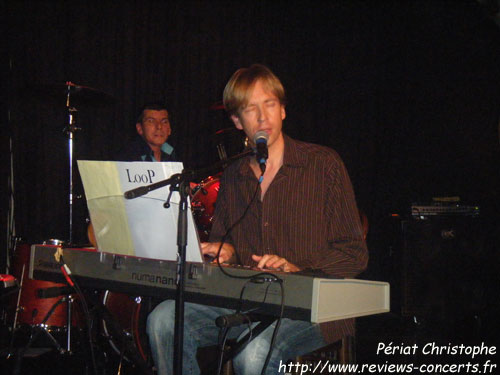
[
  {"x": 203, "y": 205},
  {"x": 130, "y": 313},
  {"x": 26, "y": 308}
]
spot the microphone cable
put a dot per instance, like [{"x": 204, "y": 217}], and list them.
[
  {"x": 224, "y": 330},
  {"x": 275, "y": 332},
  {"x": 278, "y": 321},
  {"x": 238, "y": 259},
  {"x": 253, "y": 278},
  {"x": 71, "y": 281},
  {"x": 230, "y": 229}
]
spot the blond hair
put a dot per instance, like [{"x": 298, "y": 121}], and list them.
[{"x": 239, "y": 87}]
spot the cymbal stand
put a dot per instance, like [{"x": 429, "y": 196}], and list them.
[
  {"x": 14, "y": 323},
  {"x": 221, "y": 150},
  {"x": 70, "y": 130}
]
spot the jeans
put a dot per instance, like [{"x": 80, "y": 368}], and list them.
[{"x": 294, "y": 338}]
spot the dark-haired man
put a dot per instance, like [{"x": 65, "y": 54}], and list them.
[{"x": 153, "y": 127}]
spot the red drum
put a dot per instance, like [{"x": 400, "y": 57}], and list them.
[
  {"x": 203, "y": 205},
  {"x": 131, "y": 315},
  {"x": 30, "y": 308}
]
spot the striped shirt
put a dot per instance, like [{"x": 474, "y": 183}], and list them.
[{"x": 308, "y": 216}]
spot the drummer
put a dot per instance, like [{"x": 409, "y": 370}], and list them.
[{"x": 154, "y": 129}]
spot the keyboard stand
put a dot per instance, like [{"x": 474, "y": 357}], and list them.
[{"x": 236, "y": 347}]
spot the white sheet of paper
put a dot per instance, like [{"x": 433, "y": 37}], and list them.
[{"x": 139, "y": 227}]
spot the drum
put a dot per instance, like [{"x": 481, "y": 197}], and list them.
[
  {"x": 203, "y": 205},
  {"x": 32, "y": 310},
  {"x": 130, "y": 314}
]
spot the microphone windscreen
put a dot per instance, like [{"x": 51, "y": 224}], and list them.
[{"x": 260, "y": 137}]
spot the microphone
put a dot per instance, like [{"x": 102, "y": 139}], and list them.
[
  {"x": 55, "y": 291},
  {"x": 260, "y": 139},
  {"x": 137, "y": 192}
]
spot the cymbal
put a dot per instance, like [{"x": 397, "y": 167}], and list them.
[
  {"x": 217, "y": 106},
  {"x": 231, "y": 140},
  {"x": 77, "y": 93},
  {"x": 228, "y": 131},
  {"x": 230, "y": 134}
]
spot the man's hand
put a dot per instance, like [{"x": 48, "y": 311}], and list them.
[
  {"x": 211, "y": 249},
  {"x": 274, "y": 262}
]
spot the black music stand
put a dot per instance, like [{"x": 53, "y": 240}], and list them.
[{"x": 180, "y": 182}]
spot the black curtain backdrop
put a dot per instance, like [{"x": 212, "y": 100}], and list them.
[{"x": 406, "y": 91}]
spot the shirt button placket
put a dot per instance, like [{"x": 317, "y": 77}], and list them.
[{"x": 265, "y": 236}]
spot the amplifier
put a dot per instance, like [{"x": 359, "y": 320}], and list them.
[{"x": 420, "y": 212}]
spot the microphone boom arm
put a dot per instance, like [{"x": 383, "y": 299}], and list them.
[{"x": 185, "y": 176}]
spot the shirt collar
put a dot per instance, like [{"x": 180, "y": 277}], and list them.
[
  {"x": 148, "y": 154},
  {"x": 167, "y": 148},
  {"x": 292, "y": 157}
]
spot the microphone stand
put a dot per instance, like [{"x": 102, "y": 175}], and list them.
[
  {"x": 180, "y": 182},
  {"x": 70, "y": 130},
  {"x": 181, "y": 262}
]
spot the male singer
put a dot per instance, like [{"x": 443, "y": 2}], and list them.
[{"x": 304, "y": 216}]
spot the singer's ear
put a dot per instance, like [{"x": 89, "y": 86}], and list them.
[{"x": 236, "y": 120}]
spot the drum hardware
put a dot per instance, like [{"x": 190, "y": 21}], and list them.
[
  {"x": 79, "y": 94},
  {"x": 54, "y": 241},
  {"x": 221, "y": 150},
  {"x": 74, "y": 94},
  {"x": 14, "y": 323},
  {"x": 129, "y": 325},
  {"x": 44, "y": 328},
  {"x": 229, "y": 141},
  {"x": 123, "y": 335},
  {"x": 217, "y": 106},
  {"x": 8, "y": 286},
  {"x": 48, "y": 330},
  {"x": 7, "y": 282},
  {"x": 70, "y": 130},
  {"x": 38, "y": 313},
  {"x": 203, "y": 205}
]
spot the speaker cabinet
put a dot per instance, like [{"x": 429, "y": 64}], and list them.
[{"x": 440, "y": 264}]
